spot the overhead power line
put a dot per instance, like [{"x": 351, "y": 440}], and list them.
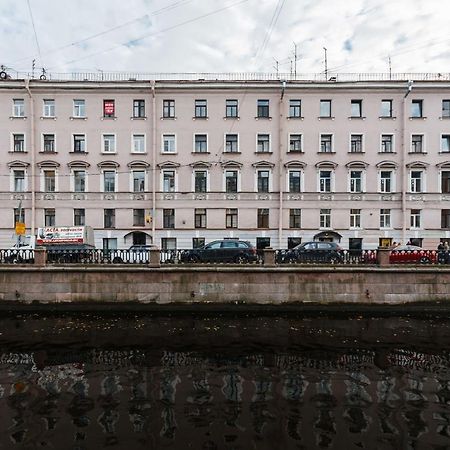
[{"x": 35, "y": 34}]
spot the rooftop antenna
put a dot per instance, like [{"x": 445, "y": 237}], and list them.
[
  {"x": 276, "y": 66},
  {"x": 33, "y": 66},
  {"x": 390, "y": 68},
  {"x": 295, "y": 60},
  {"x": 326, "y": 63},
  {"x": 290, "y": 61}
]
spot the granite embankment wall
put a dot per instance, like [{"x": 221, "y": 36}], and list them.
[{"x": 255, "y": 285}]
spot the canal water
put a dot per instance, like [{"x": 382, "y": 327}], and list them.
[{"x": 224, "y": 382}]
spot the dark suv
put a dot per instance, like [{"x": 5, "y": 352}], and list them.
[
  {"x": 227, "y": 250},
  {"x": 326, "y": 252}
]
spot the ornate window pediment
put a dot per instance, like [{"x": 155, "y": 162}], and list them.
[
  {"x": 78, "y": 164},
  {"x": 18, "y": 163},
  {"x": 108, "y": 164}
]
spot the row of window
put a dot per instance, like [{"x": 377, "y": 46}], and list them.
[
  {"x": 200, "y": 111},
  {"x": 356, "y": 182},
  {"x": 231, "y": 218},
  {"x": 230, "y": 144}
]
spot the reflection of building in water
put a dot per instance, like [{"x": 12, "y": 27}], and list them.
[{"x": 318, "y": 400}]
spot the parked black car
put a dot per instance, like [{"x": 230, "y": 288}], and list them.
[
  {"x": 227, "y": 250},
  {"x": 327, "y": 252}
]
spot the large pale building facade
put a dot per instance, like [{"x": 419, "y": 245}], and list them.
[{"x": 183, "y": 162}]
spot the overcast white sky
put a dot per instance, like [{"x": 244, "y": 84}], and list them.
[{"x": 225, "y": 35}]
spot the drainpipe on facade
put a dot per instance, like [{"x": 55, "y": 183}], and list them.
[
  {"x": 280, "y": 164},
  {"x": 33, "y": 157},
  {"x": 153, "y": 171},
  {"x": 404, "y": 179}
]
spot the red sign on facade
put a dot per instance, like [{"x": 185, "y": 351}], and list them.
[{"x": 108, "y": 108}]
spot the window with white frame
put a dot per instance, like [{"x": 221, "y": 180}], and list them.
[
  {"x": 262, "y": 109},
  {"x": 416, "y": 181},
  {"x": 295, "y": 109},
  {"x": 18, "y": 142},
  {"x": 231, "y": 181},
  {"x": 325, "y": 218},
  {"x": 263, "y": 143},
  {"x": 231, "y": 143},
  {"x": 445, "y": 143},
  {"x": 18, "y": 107},
  {"x": 168, "y": 143},
  {"x": 138, "y": 143},
  {"x": 295, "y": 143},
  {"x": 325, "y": 108},
  {"x": 138, "y": 180},
  {"x": 201, "y": 111},
  {"x": 200, "y": 181},
  {"x": 417, "y": 108},
  {"x": 49, "y": 180},
  {"x": 356, "y": 108},
  {"x": 355, "y": 218},
  {"x": 387, "y": 141},
  {"x": 48, "y": 143},
  {"x": 18, "y": 184},
  {"x": 109, "y": 143},
  {"x": 79, "y": 180},
  {"x": 415, "y": 218},
  {"x": 138, "y": 109},
  {"x": 445, "y": 108},
  {"x": 325, "y": 180},
  {"x": 109, "y": 181},
  {"x": 385, "y": 218},
  {"x": 231, "y": 108},
  {"x": 49, "y": 108},
  {"x": 79, "y": 108},
  {"x": 386, "y": 108},
  {"x": 326, "y": 143},
  {"x": 168, "y": 109},
  {"x": 79, "y": 143},
  {"x": 356, "y": 181},
  {"x": 417, "y": 143},
  {"x": 356, "y": 143},
  {"x": 295, "y": 181},
  {"x": 263, "y": 177},
  {"x": 386, "y": 181},
  {"x": 168, "y": 180},
  {"x": 200, "y": 143}
]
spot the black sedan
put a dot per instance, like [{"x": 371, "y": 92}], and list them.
[
  {"x": 316, "y": 252},
  {"x": 224, "y": 251}
]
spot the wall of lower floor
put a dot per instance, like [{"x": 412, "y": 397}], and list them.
[{"x": 224, "y": 285}]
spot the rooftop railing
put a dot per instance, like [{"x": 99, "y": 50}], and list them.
[{"x": 331, "y": 77}]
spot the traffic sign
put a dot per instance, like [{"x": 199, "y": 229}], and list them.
[{"x": 20, "y": 228}]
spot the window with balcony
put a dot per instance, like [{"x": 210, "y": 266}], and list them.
[
  {"x": 138, "y": 109},
  {"x": 19, "y": 180},
  {"x": 231, "y": 218},
  {"x": 386, "y": 178},
  {"x": 325, "y": 108},
  {"x": 356, "y": 143},
  {"x": 200, "y": 181},
  {"x": 262, "y": 109},
  {"x": 263, "y": 143},
  {"x": 18, "y": 143},
  {"x": 18, "y": 107},
  {"x": 200, "y": 218},
  {"x": 385, "y": 218},
  {"x": 138, "y": 217},
  {"x": 417, "y": 143},
  {"x": 168, "y": 218},
  {"x": 325, "y": 180},
  {"x": 231, "y": 143},
  {"x": 109, "y": 218},
  {"x": 49, "y": 108},
  {"x": 387, "y": 143},
  {"x": 295, "y": 143},
  {"x": 355, "y": 218},
  {"x": 231, "y": 108},
  {"x": 356, "y": 179},
  {"x": 325, "y": 218},
  {"x": 326, "y": 143},
  {"x": 200, "y": 143},
  {"x": 138, "y": 180},
  {"x": 201, "y": 111},
  {"x": 168, "y": 109},
  {"x": 263, "y": 218},
  {"x": 48, "y": 142},
  {"x": 295, "y": 218},
  {"x": 79, "y": 143},
  {"x": 168, "y": 181},
  {"x": 263, "y": 181},
  {"x": 79, "y": 180},
  {"x": 79, "y": 217},
  {"x": 295, "y": 109},
  {"x": 49, "y": 181},
  {"x": 416, "y": 177}
]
